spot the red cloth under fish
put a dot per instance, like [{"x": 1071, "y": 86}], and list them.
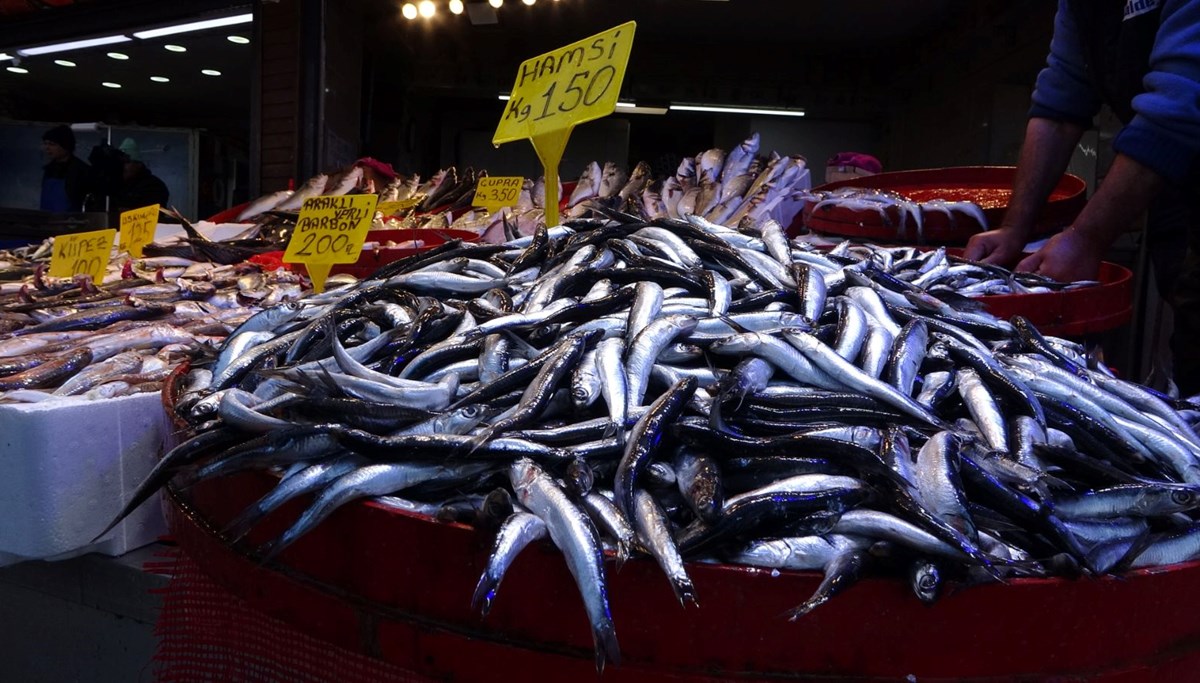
[{"x": 382, "y": 168}]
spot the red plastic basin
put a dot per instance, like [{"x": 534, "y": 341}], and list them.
[
  {"x": 397, "y": 586},
  {"x": 1066, "y": 201}
]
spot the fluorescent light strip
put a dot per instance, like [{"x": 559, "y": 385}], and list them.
[
  {"x": 194, "y": 26},
  {"x": 73, "y": 45},
  {"x": 505, "y": 98},
  {"x": 737, "y": 110},
  {"x": 4, "y": 57}
]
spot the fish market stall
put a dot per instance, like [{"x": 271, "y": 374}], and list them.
[
  {"x": 714, "y": 441},
  {"x": 81, "y": 367}
]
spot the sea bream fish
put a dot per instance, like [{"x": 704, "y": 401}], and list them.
[
  {"x": 313, "y": 188},
  {"x": 588, "y": 184},
  {"x": 738, "y": 161},
  {"x": 612, "y": 180}
]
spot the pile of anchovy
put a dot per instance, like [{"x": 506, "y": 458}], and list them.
[
  {"x": 71, "y": 337},
  {"x": 684, "y": 391}
]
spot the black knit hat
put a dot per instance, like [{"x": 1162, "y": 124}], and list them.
[{"x": 62, "y": 136}]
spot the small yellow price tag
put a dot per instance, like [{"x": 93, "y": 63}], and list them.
[
  {"x": 137, "y": 229},
  {"x": 556, "y": 91},
  {"x": 393, "y": 208},
  {"x": 496, "y": 192},
  {"x": 330, "y": 230},
  {"x": 82, "y": 253}
]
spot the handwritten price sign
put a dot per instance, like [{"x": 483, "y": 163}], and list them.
[
  {"x": 137, "y": 229},
  {"x": 82, "y": 253},
  {"x": 567, "y": 86},
  {"x": 496, "y": 192},
  {"x": 556, "y": 91},
  {"x": 330, "y": 230}
]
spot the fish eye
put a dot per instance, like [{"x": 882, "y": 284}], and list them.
[{"x": 1182, "y": 497}]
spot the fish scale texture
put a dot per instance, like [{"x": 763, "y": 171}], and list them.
[{"x": 207, "y": 634}]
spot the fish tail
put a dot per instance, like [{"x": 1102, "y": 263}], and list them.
[
  {"x": 485, "y": 592},
  {"x": 607, "y": 649}
]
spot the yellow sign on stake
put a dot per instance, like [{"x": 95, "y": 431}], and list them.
[
  {"x": 330, "y": 230},
  {"x": 137, "y": 229},
  {"x": 560, "y": 89},
  {"x": 82, "y": 253},
  {"x": 496, "y": 192}
]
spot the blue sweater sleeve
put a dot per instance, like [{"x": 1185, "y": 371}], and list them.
[
  {"x": 1165, "y": 131},
  {"x": 1063, "y": 91}
]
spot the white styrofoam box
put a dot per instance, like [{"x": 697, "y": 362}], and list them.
[{"x": 66, "y": 469}]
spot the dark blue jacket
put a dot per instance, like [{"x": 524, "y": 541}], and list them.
[{"x": 1162, "y": 128}]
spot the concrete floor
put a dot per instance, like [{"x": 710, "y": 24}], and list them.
[{"x": 86, "y": 619}]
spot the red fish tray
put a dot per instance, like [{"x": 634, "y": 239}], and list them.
[
  {"x": 989, "y": 184},
  {"x": 372, "y": 259},
  {"x": 1073, "y": 313},
  {"x": 397, "y": 586}
]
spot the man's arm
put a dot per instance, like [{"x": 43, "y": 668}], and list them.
[
  {"x": 1045, "y": 154},
  {"x": 1075, "y": 253}
]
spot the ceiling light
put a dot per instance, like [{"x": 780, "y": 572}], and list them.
[
  {"x": 110, "y": 84},
  {"x": 18, "y": 69},
  {"x": 64, "y": 62},
  {"x": 737, "y": 110},
  {"x": 496, "y": 3},
  {"x": 505, "y": 98},
  {"x": 240, "y": 40},
  {"x": 195, "y": 26},
  {"x": 176, "y": 48},
  {"x": 118, "y": 55},
  {"x": 4, "y": 57},
  {"x": 528, "y": 2},
  {"x": 160, "y": 79},
  {"x": 73, "y": 45},
  {"x": 409, "y": 10},
  {"x": 427, "y": 8},
  {"x": 210, "y": 72},
  {"x": 456, "y": 6},
  {"x": 633, "y": 108}
]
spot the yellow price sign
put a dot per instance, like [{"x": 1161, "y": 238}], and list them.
[
  {"x": 330, "y": 230},
  {"x": 82, "y": 253},
  {"x": 137, "y": 229},
  {"x": 496, "y": 192},
  {"x": 393, "y": 208},
  {"x": 560, "y": 89}
]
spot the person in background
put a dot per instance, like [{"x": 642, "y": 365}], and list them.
[
  {"x": 847, "y": 165},
  {"x": 139, "y": 187},
  {"x": 65, "y": 176},
  {"x": 1142, "y": 59}
]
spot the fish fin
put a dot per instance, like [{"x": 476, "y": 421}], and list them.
[{"x": 734, "y": 324}]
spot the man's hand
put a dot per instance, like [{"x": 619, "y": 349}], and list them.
[
  {"x": 1069, "y": 256},
  {"x": 1001, "y": 247}
]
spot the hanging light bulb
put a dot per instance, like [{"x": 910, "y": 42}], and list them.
[
  {"x": 528, "y": 2},
  {"x": 496, "y": 3},
  {"x": 456, "y": 7},
  {"x": 427, "y": 8},
  {"x": 409, "y": 10}
]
